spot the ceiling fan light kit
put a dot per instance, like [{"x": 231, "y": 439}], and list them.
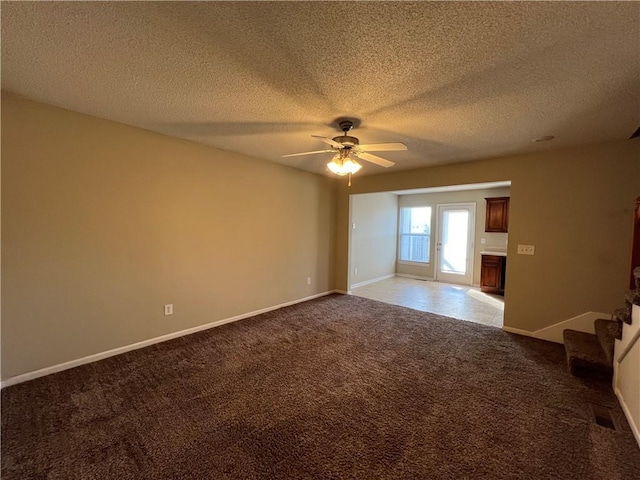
[
  {"x": 343, "y": 166},
  {"x": 345, "y": 145}
]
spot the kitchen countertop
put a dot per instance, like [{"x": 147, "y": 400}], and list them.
[{"x": 499, "y": 253}]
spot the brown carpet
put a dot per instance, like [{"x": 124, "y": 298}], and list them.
[{"x": 336, "y": 388}]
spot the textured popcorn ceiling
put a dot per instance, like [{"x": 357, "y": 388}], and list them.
[{"x": 455, "y": 81}]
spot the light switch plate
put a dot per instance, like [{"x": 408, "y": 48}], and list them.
[{"x": 526, "y": 249}]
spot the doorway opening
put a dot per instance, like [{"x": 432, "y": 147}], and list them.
[{"x": 439, "y": 243}]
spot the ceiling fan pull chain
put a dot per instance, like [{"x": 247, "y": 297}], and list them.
[{"x": 349, "y": 179}]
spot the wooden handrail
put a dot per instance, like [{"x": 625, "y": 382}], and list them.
[{"x": 629, "y": 346}]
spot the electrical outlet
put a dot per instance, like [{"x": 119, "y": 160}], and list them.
[
  {"x": 355, "y": 271},
  {"x": 483, "y": 241},
  {"x": 168, "y": 309},
  {"x": 526, "y": 249},
  {"x": 308, "y": 280}
]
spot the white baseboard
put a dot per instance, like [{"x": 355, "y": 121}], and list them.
[
  {"x": 553, "y": 333},
  {"x": 373, "y": 280},
  {"x": 145, "y": 343},
  {"x": 581, "y": 323},
  {"x": 517, "y": 331},
  {"x": 417, "y": 277},
  {"x": 627, "y": 413}
]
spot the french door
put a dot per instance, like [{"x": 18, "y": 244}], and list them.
[{"x": 454, "y": 247}]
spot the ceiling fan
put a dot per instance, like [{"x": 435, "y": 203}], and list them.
[{"x": 345, "y": 147}]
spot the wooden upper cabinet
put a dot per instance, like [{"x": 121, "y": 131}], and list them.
[{"x": 497, "y": 219}]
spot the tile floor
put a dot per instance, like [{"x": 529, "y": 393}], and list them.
[{"x": 457, "y": 301}]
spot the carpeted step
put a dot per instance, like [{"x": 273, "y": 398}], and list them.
[
  {"x": 618, "y": 329},
  {"x": 632, "y": 297},
  {"x": 622, "y": 315},
  {"x": 607, "y": 331},
  {"x": 585, "y": 356}
]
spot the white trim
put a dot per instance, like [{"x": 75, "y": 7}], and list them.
[
  {"x": 349, "y": 242},
  {"x": 553, "y": 333},
  {"x": 417, "y": 277},
  {"x": 145, "y": 343},
  {"x": 454, "y": 188},
  {"x": 581, "y": 323},
  {"x": 373, "y": 280},
  {"x": 526, "y": 333},
  {"x": 627, "y": 413},
  {"x": 400, "y": 233}
]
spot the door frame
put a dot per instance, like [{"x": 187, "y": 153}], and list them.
[{"x": 471, "y": 243}]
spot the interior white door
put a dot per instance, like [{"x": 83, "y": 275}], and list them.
[{"x": 454, "y": 247}]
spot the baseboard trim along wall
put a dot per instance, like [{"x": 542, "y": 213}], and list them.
[
  {"x": 417, "y": 277},
  {"x": 373, "y": 280},
  {"x": 517, "y": 331},
  {"x": 553, "y": 333},
  {"x": 145, "y": 343}
]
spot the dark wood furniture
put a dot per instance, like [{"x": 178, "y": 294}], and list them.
[
  {"x": 492, "y": 274},
  {"x": 497, "y": 219}
]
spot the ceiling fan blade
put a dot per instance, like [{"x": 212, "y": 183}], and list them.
[
  {"x": 383, "y": 147},
  {"x": 374, "y": 159},
  {"x": 308, "y": 153},
  {"x": 328, "y": 140}
]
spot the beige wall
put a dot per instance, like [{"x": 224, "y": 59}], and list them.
[
  {"x": 493, "y": 240},
  {"x": 575, "y": 205},
  {"x": 103, "y": 224},
  {"x": 373, "y": 240}
]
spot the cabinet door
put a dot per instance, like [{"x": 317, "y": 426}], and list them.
[
  {"x": 491, "y": 274},
  {"x": 497, "y": 217}
]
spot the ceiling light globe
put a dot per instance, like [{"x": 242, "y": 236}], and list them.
[
  {"x": 343, "y": 167},
  {"x": 351, "y": 166},
  {"x": 336, "y": 167}
]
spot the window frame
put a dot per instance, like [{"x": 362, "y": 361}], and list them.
[{"x": 401, "y": 234}]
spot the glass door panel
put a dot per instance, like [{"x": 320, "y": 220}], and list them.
[{"x": 455, "y": 242}]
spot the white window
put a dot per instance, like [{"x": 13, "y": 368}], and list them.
[{"x": 415, "y": 234}]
